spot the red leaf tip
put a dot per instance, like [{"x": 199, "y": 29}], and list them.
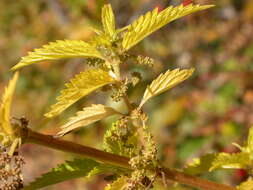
[{"x": 187, "y": 2}]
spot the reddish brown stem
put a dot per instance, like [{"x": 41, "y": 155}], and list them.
[
  {"x": 105, "y": 157},
  {"x": 67, "y": 146}
]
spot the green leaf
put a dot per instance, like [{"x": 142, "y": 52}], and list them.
[
  {"x": 108, "y": 20},
  {"x": 246, "y": 185},
  {"x": 60, "y": 49},
  {"x": 6, "y": 130},
  {"x": 87, "y": 116},
  {"x": 153, "y": 20},
  {"x": 66, "y": 171},
  {"x": 231, "y": 161},
  {"x": 78, "y": 87},
  {"x": 110, "y": 143},
  {"x": 211, "y": 162},
  {"x": 200, "y": 165},
  {"x": 165, "y": 82},
  {"x": 102, "y": 169},
  {"x": 118, "y": 184},
  {"x": 120, "y": 140}
]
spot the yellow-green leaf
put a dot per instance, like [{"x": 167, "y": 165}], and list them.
[
  {"x": 246, "y": 185},
  {"x": 231, "y": 161},
  {"x": 5, "y": 125},
  {"x": 200, "y": 165},
  {"x": 118, "y": 184},
  {"x": 87, "y": 116},
  {"x": 250, "y": 138},
  {"x": 108, "y": 20},
  {"x": 249, "y": 147},
  {"x": 153, "y": 20},
  {"x": 60, "y": 49},
  {"x": 78, "y": 87},
  {"x": 165, "y": 82}
]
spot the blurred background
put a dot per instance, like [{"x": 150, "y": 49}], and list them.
[{"x": 205, "y": 114}]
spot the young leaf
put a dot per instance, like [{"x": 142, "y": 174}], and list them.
[
  {"x": 200, "y": 165},
  {"x": 118, "y": 184},
  {"x": 246, "y": 185},
  {"x": 108, "y": 20},
  {"x": 5, "y": 125},
  {"x": 60, "y": 49},
  {"x": 153, "y": 20},
  {"x": 121, "y": 140},
  {"x": 78, "y": 87},
  {"x": 249, "y": 147},
  {"x": 66, "y": 171},
  {"x": 250, "y": 138},
  {"x": 111, "y": 143},
  {"x": 87, "y": 116},
  {"x": 231, "y": 161},
  {"x": 165, "y": 82}
]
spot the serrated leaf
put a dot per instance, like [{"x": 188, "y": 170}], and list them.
[
  {"x": 6, "y": 130},
  {"x": 111, "y": 144},
  {"x": 165, "y": 82},
  {"x": 60, "y": 49},
  {"x": 87, "y": 116},
  {"x": 102, "y": 169},
  {"x": 231, "y": 161},
  {"x": 153, "y": 20},
  {"x": 78, "y": 87},
  {"x": 118, "y": 184},
  {"x": 200, "y": 165},
  {"x": 108, "y": 20},
  {"x": 66, "y": 171},
  {"x": 246, "y": 185},
  {"x": 120, "y": 141},
  {"x": 101, "y": 39},
  {"x": 212, "y": 162}
]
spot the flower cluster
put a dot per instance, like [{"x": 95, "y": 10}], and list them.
[{"x": 10, "y": 170}]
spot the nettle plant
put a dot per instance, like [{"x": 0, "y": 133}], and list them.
[{"x": 129, "y": 153}]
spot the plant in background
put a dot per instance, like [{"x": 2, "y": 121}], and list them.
[{"x": 130, "y": 152}]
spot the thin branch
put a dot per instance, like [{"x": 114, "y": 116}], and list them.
[
  {"x": 126, "y": 99},
  {"x": 128, "y": 103},
  {"x": 105, "y": 157},
  {"x": 67, "y": 146}
]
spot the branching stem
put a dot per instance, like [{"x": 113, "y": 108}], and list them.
[{"x": 105, "y": 157}]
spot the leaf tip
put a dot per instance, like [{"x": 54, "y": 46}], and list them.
[{"x": 15, "y": 67}]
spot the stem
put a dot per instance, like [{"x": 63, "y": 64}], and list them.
[
  {"x": 128, "y": 104},
  {"x": 101, "y": 156},
  {"x": 115, "y": 65},
  {"x": 125, "y": 99},
  {"x": 67, "y": 146}
]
